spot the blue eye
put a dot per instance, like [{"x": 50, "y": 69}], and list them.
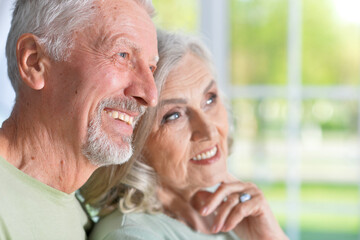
[
  {"x": 152, "y": 69},
  {"x": 170, "y": 117},
  {"x": 211, "y": 99},
  {"x": 123, "y": 54}
]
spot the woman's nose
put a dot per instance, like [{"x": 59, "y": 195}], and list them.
[{"x": 203, "y": 129}]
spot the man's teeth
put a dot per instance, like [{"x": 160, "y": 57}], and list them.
[
  {"x": 120, "y": 116},
  {"x": 206, "y": 155}
]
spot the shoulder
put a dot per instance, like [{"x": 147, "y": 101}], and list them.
[
  {"x": 141, "y": 226},
  {"x": 135, "y": 226}
]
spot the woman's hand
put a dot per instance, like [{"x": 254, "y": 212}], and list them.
[
  {"x": 252, "y": 219},
  {"x": 177, "y": 207}
]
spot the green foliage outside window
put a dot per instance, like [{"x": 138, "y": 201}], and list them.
[
  {"x": 177, "y": 15},
  {"x": 330, "y": 46}
]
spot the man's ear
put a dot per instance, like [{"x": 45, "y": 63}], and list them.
[{"x": 31, "y": 61}]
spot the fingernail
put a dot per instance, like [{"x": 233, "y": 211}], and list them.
[
  {"x": 223, "y": 229},
  {"x": 214, "y": 229},
  {"x": 204, "y": 211}
]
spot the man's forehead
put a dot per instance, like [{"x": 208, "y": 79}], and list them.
[
  {"x": 118, "y": 6},
  {"x": 121, "y": 40},
  {"x": 124, "y": 23}
]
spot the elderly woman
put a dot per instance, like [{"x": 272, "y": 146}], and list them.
[{"x": 185, "y": 147}]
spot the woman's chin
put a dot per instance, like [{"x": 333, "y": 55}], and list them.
[{"x": 213, "y": 180}]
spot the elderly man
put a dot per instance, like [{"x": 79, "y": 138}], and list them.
[{"x": 82, "y": 71}]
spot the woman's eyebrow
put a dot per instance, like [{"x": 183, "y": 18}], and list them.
[
  {"x": 209, "y": 86},
  {"x": 183, "y": 100}
]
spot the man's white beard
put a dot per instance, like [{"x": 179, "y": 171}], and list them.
[{"x": 99, "y": 148}]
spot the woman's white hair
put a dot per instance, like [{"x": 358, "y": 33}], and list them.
[
  {"x": 53, "y": 22},
  {"x": 131, "y": 187}
]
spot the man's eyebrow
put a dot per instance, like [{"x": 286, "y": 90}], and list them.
[
  {"x": 209, "y": 86},
  {"x": 116, "y": 41},
  {"x": 173, "y": 101}
]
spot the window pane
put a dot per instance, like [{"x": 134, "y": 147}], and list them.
[
  {"x": 329, "y": 169},
  {"x": 177, "y": 15},
  {"x": 258, "y": 41},
  {"x": 331, "y": 42},
  {"x": 259, "y": 151},
  {"x": 329, "y": 193}
]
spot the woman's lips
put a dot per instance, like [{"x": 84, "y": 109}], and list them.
[{"x": 207, "y": 157}]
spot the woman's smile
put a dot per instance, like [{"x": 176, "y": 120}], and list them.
[{"x": 207, "y": 156}]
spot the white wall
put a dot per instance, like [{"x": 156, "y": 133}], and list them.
[{"x": 7, "y": 94}]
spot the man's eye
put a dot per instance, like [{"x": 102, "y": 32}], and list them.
[
  {"x": 152, "y": 69},
  {"x": 123, "y": 54},
  {"x": 170, "y": 117},
  {"x": 211, "y": 99}
]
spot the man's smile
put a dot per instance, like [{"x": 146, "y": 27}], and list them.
[{"x": 120, "y": 116}]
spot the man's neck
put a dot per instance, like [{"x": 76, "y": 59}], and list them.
[{"x": 44, "y": 156}]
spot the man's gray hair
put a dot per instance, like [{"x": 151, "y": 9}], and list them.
[{"x": 53, "y": 22}]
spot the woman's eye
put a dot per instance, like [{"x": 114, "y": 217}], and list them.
[
  {"x": 170, "y": 117},
  {"x": 211, "y": 99},
  {"x": 123, "y": 54}
]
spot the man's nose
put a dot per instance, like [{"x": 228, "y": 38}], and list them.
[
  {"x": 143, "y": 88},
  {"x": 203, "y": 129}
]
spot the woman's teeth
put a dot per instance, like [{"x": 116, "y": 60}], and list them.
[
  {"x": 120, "y": 116},
  {"x": 206, "y": 155}
]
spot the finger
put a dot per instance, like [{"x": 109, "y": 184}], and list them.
[
  {"x": 241, "y": 211},
  {"x": 199, "y": 199},
  {"x": 225, "y": 208},
  {"x": 223, "y": 211},
  {"x": 222, "y": 192}
]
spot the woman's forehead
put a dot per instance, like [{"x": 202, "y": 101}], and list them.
[{"x": 191, "y": 73}]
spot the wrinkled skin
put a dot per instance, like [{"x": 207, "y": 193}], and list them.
[
  {"x": 112, "y": 58},
  {"x": 192, "y": 119}
]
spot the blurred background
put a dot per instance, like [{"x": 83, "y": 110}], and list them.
[{"x": 291, "y": 69}]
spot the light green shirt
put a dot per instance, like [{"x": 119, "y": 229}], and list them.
[
  {"x": 32, "y": 210},
  {"x": 141, "y": 226}
]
